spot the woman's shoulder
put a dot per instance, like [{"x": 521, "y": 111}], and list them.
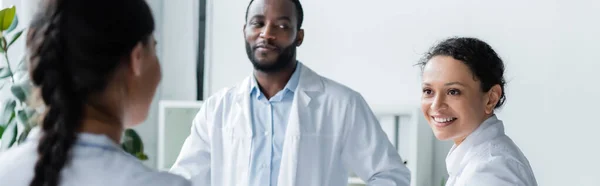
[
  {"x": 500, "y": 148},
  {"x": 93, "y": 165},
  {"x": 158, "y": 178},
  {"x": 501, "y": 162},
  {"x": 147, "y": 176},
  {"x": 500, "y": 156},
  {"x": 134, "y": 172}
]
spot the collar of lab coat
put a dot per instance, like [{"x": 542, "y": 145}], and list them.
[
  {"x": 309, "y": 81},
  {"x": 289, "y": 86},
  {"x": 309, "y": 85},
  {"x": 460, "y": 155}
]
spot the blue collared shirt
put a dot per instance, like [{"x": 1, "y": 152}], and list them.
[{"x": 269, "y": 122}]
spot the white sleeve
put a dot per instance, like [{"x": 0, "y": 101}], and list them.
[
  {"x": 367, "y": 150},
  {"x": 193, "y": 161}
]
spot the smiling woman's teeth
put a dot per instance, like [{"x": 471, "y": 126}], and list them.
[{"x": 443, "y": 120}]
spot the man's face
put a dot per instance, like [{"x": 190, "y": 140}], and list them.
[{"x": 271, "y": 34}]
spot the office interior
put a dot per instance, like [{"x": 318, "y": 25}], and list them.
[{"x": 550, "y": 49}]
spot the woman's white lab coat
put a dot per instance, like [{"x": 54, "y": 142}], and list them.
[
  {"x": 488, "y": 157},
  {"x": 331, "y": 131},
  {"x": 96, "y": 161}
]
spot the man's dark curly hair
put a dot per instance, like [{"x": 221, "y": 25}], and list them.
[{"x": 299, "y": 12}]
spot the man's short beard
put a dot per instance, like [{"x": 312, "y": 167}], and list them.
[{"x": 283, "y": 60}]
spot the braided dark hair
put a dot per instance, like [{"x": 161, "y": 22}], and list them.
[{"x": 74, "y": 47}]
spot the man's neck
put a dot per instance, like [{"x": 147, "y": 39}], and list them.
[{"x": 272, "y": 82}]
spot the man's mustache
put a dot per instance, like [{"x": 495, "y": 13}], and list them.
[{"x": 265, "y": 45}]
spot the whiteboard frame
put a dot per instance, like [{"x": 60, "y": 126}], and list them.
[
  {"x": 420, "y": 149},
  {"x": 163, "y": 105}
]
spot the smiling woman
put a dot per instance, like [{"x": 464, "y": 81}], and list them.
[{"x": 463, "y": 84}]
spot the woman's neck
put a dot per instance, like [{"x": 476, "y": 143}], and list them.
[
  {"x": 98, "y": 122},
  {"x": 459, "y": 140}
]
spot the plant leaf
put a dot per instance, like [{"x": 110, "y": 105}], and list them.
[
  {"x": 1, "y": 39},
  {"x": 14, "y": 24},
  {"x": 24, "y": 134},
  {"x": 4, "y": 72},
  {"x": 1, "y": 131},
  {"x": 8, "y": 112},
  {"x": 23, "y": 118},
  {"x": 20, "y": 91},
  {"x": 22, "y": 64},
  {"x": 9, "y": 136},
  {"x": 132, "y": 143},
  {"x": 2, "y": 13},
  {"x": 141, "y": 156},
  {"x": 8, "y": 15},
  {"x": 14, "y": 38}
]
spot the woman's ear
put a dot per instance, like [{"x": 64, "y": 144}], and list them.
[
  {"x": 136, "y": 59},
  {"x": 493, "y": 98}
]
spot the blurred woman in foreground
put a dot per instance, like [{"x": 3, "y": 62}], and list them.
[{"x": 95, "y": 67}]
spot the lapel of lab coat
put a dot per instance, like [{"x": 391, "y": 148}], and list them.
[
  {"x": 309, "y": 87},
  {"x": 243, "y": 123}
]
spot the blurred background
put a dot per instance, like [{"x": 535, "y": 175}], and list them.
[{"x": 550, "y": 48}]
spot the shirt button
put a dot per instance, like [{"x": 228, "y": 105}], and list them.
[
  {"x": 266, "y": 133},
  {"x": 264, "y": 165}
]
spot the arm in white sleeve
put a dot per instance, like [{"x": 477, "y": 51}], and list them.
[
  {"x": 368, "y": 152},
  {"x": 193, "y": 161}
]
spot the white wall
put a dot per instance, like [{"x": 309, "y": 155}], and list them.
[{"x": 550, "y": 50}]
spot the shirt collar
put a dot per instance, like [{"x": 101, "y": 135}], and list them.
[
  {"x": 291, "y": 85},
  {"x": 83, "y": 139},
  {"x": 489, "y": 129}
]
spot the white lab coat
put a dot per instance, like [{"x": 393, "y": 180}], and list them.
[
  {"x": 487, "y": 157},
  {"x": 96, "y": 161},
  {"x": 331, "y": 131}
]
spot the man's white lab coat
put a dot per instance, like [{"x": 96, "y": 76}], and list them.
[{"x": 331, "y": 131}]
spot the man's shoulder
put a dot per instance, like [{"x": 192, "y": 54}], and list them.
[
  {"x": 331, "y": 88},
  {"x": 338, "y": 90}
]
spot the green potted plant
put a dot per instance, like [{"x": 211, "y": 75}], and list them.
[{"x": 17, "y": 118}]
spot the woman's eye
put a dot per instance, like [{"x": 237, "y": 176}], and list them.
[
  {"x": 427, "y": 91},
  {"x": 454, "y": 92}
]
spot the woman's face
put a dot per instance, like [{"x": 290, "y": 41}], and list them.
[
  {"x": 452, "y": 100},
  {"x": 144, "y": 79}
]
